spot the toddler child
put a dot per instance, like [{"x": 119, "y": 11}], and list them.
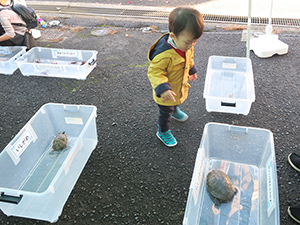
[{"x": 172, "y": 66}]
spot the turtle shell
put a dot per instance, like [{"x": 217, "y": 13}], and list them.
[
  {"x": 220, "y": 186},
  {"x": 60, "y": 142}
]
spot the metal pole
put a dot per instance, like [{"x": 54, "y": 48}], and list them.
[
  {"x": 249, "y": 28},
  {"x": 270, "y": 17},
  {"x": 269, "y": 27}
]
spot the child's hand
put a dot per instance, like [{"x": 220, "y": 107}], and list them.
[
  {"x": 193, "y": 77},
  {"x": 168, "y": 95}
]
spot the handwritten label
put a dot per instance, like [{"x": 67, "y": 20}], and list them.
[
  {"x": 270, "y": 187},
  {"x": 199, "y": 175},
  {"x": 229, "y": 65},
  {"x": 17, "y": 149},
  {"x": 4, "y": 50},
  {"x": 72, "y": 120},
  {"x": 44, "y": 67},
  {"x": 66, "y": 53}
]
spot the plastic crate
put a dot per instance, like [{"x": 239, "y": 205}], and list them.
[
  {"x": 247, "y": 156},
  {"x": 8, "y": 56},
  {"x": 229, "y": 85},
  {"x": 64, "y": 63},
  {"x": 36, "y": 182}
]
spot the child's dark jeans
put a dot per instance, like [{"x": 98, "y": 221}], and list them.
[{"x": 164, "y": 118}]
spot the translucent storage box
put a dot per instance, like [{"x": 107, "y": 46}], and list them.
[
  {"x": 247, "y": 156},
  {"x": 64, "y": 63},
  {"x": 35, "y": 181},
  {"x": 8, "y": 56},
  {"x": 229, "y": 85}
]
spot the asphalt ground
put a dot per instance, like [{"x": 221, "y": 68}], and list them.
[{"x": 131, "y": 177}]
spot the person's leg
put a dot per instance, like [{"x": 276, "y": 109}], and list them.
[
  {"x": 17, "y": 40},
  {"x": 6, "y": 43},
  {"x": 164, "y": 133},
  {"x": 179, "y": 115},
  {"x": 164, "y": 117}
]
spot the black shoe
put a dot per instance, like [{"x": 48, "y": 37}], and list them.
[
  {"x": 294, "y": 212},
  {"x": 294, "y": 160}
]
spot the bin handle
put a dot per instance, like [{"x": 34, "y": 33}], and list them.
[
  {"x": 228, "y": 104},
  {"x": 71, "y": 108},
  {"x": 10, "y": 198},
  {"x": 238, "y": 130}
]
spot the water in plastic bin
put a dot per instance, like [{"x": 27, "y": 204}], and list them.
[
  {"x": 46, "y": 168},
  {"x": 243, "y": 209}
]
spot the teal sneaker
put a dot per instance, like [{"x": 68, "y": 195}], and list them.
[
  {"x": 179, "y": 115},
  {"x": 167, "y": 138}
]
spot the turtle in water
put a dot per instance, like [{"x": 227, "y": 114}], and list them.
[
  {"x": 220, "y": 187},
  {"x": 59, "y": 142}
]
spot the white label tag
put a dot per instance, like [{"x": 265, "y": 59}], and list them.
[
  {"x": 4, "y": 50},
  {"x": 17, "y": 149},
  {"x": 49, "y": 67},
  {"x": 270, "y": 183},
  {"x": 72, "y": 120},
  {"x": 66, "y": 53},
  {"x": 229, "y": 65}
]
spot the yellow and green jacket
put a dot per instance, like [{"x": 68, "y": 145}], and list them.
[{"x": 169, "y": 71}]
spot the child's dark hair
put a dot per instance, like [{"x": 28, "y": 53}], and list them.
[{"x": 182, "y": 18}]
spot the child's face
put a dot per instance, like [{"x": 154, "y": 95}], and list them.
[{"x": 184, "y": 41}]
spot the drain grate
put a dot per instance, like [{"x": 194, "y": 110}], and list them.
[
  {"x": 254, "y": 20},
  {"x": 156, "y": 14},
  {"x": 93, "y": 11},
  {"x": 146, "y": 13}
]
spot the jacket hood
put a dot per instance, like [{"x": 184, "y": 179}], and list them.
[{"x": 160, "y": 46}]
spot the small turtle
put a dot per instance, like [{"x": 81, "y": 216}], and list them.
[
  {"x": 59, "y": 142},
  {"x": 220, "y": 187}
]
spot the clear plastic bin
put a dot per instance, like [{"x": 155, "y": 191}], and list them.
[
  {"x": 64, "y": 63},
  {"x": 35, "y": 182},
  {"x": 229, "y": 85},
  {"x": 247, "y": 156},
  {"x": 8, "y": 56}
]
